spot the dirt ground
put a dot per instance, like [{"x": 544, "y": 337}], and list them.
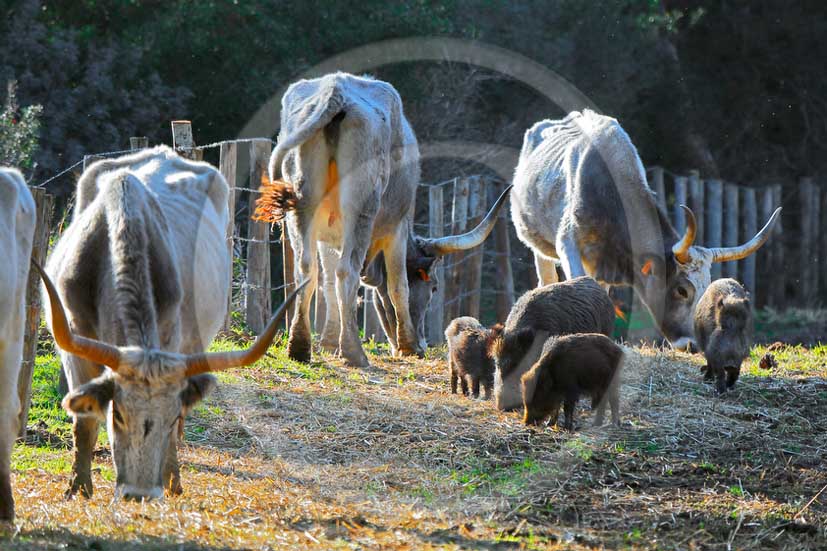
[{"x": 329, "y": 457}]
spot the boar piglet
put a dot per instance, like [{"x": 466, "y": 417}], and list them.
[
  {"x": 468, "y": 358},
  {"x": 571, "y": 366},
  {"x": 723, "y": 330}
]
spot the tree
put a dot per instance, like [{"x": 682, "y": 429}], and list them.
[{"x": 19, "y": 129}]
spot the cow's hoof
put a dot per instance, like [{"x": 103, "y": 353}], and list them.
[
  {"x": 299, "y": 350},
  {"x": 330, "y": 344},
  {"x": 411, "y": 351},
  {"x": 356, "y": 359},
  {"x": 82, "y": 485}
]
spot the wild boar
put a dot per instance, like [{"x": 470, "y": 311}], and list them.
[
  {"x": 571, "y": 366},
  {"x": 579, "y": 305},
  {"x": 723, "y": 331},
  {"x": 468, "y": 357}
]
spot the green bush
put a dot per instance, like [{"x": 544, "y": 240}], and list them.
[{"x": 19, "y": 130}]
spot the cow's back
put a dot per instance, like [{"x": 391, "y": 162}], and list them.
[
  {"x": 185, "y": 213},
  {"x": 582, "y": 172}
]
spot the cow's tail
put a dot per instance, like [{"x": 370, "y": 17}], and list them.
[{"x": 277, "y": 196}]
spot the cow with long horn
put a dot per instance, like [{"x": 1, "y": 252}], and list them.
[
  {"x": 581, "y": 197},
  {"x": 344, "y": 174},
  {"x": 141, "y": 278}
]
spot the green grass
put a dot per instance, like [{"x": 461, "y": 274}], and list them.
[
  {"x": 510, "y": 480},
  {"x": 792, "y": 361},
  {"x": 45, "y": 407}
]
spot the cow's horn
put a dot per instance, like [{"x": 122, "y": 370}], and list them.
[
  {"x": 455, "y": 243},
  {"x": 218, "y": 361},
  {"x": 722, "y": 254},
  {"x": 681, "y": 248},
  {"x": 90, "y": 349}
]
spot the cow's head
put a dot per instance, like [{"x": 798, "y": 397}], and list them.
[
  {"x": 422, "y": 259},
  {"x": 672, "y": 285},
  {"x": 144, "y": 394}
]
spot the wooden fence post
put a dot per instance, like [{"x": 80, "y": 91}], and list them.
[
  {"x": 750, "y": 228},
  {"x": 436, "y": 310},
  {"x": 696, "y": 203},
  {"x": 505, "y": 277},
  {"x": 805, "y": 196},
  {"x": 778, "y": 289},
  {"x": 459, "y": 219},
  {"x": 815, "y": 252},
  {"x": 183, "y": 142},
  {"x": 40, "y": 247},
  {"x": 732, "y": 221},
  {"x": 766, "y": 262},
  {"x": 138, "y": 142},
  {"x": 474, "y": 258},
  {"x": 257, "y": 296},
  {"x": 680, "y": 199},
  {"x": 714, "y": 220},
  {"x": 658, "y": 186},
  {"x": 228, "y": 165}
]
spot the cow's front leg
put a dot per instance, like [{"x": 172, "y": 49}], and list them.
[
  {"x": 172, "y": 472},
  {"x": 330, "y": 332},
  {"x": 8, "y": 432},
  {"x": 85, "y": 434},
  {"x": 387, "y": 315},
  {"x": 406, "y": 341},
  {"x": 300, "y": 342}
]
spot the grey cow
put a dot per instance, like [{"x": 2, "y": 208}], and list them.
[
  {"x": 344, "y": 174},
  {"x": 580, "y": 195},
  {"x": 141, "y": 277}
]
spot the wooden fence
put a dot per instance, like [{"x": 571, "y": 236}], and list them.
[{"x": 727, "y": 215}]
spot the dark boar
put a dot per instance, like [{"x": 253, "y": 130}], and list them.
[
  {"x": 579, "y": 305},
  {"x": 723, "y": 331},
  {"x": 468, "y": 358},
  {"x": 571, "y": 366}
]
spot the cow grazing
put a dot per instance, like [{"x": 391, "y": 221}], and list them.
[
  {"x": 578, "y": 305},
  {"x": 17, "y": 220},
  {"x": 723, "y": 329},
  {"x": 143, "y": 274},
  {"x": 580, "y": 196},
  {"x": 469, "y": 360},
  {"x": 350, "y": 167},
  {"x": 569, "y": 367}
]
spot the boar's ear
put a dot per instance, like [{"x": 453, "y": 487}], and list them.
[
  {"x": 720, "y": 303},
  {"x": 91, "y": 399},
  {"x": 529, "y": 380},
  {"x": 523, "y": 338},
  {"x": 493, "y": 343},
  {"x": 198, "y": 387}
]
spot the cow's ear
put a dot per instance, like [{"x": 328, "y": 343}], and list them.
[
  {"x": 198, "y": 387},
  {"x": 423, "y": 274},
  {"x": 91, "y": 399}
]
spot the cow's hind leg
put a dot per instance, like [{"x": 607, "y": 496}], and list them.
[
  {"x": 570, "y": 260},
  {"x": 546, "y": 269},
  {"x": 330, "y": 333},
  {"x": 300, "y": 342}
]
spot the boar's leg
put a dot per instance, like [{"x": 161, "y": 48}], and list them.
[
  {"x": 568, "y": 412},
  {"x": 463, "y": 385},
  {"x": 599, "y": 403},
  {"x": 614, "y": 401},
  {"x": 475, "y": 386},
  {"x": 487, "y": 388},
  {"x": 720, "y": 380},
  {"x": 732, "y": 376},
  {"x": 454, "y": 375}
]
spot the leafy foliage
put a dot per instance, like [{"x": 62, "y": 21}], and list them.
[{"x": 19, "y": 130}]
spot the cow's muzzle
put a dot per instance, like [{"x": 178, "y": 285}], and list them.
[{"x": 132, "y": 493}]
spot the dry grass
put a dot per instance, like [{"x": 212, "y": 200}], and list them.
[{"x": 329, "y": 457}]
